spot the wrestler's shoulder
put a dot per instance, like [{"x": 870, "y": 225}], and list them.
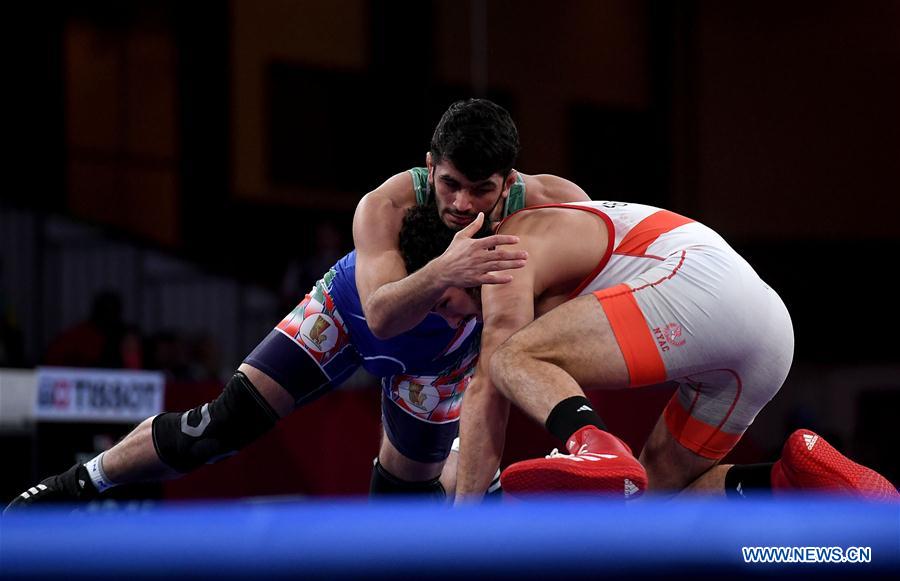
[
  {"x": 397, "y": 191},
  {"x": 550, "y": 189},
  {"x": 379, "y": 213}
]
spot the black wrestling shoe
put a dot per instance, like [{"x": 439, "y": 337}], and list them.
[{"x": 72, "y": 486}]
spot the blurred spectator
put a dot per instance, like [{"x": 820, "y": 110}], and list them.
[
  {"x": 167, "y": 352},
  {"x": 103, "y": 340},
  {"x": 203, "y": 364},
  {"x": 328, "y": 246},
  {"x": 184, "y": 359}
]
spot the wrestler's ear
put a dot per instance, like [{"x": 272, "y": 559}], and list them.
[{"x": 510, "y": 181}]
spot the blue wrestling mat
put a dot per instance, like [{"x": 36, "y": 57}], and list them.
[{"x": 550, "y": 538}]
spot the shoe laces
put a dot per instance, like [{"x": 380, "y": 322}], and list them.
[{"x": 555, "y": 453}]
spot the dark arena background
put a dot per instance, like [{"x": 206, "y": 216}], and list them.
[{"x": 190, "y": 169}]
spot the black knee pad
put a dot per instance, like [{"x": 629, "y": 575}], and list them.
[
  {"x": 383, "y": 482},
  {"x": 215, "y": 430}
]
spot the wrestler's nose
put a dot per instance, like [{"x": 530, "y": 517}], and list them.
[{"x": 463, "y": 201}]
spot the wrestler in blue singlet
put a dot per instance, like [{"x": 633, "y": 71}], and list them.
[{"x": 424, "y": 371}]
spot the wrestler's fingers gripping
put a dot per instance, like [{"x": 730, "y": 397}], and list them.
[
  {"x": 496, "y": 265},
  {"x": 497, "y": 240},
  {"x": 501, "y": 255}
]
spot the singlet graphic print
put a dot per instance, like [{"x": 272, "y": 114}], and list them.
[
  {"x": 315, "y": 323},
  {"x": 435, "y": 399}
]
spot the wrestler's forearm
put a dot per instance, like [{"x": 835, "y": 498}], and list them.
[
  {"x": 399, "y": 306},
  {"x": 482, "y": 437}
]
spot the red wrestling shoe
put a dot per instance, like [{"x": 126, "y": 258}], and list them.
[
  {"x": 808, "y": 462},
  {"x": 598, "y": 463}
]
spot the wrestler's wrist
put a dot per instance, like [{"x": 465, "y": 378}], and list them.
[{"x": 437, "y": 277}]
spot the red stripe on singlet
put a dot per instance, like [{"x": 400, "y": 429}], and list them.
[
  {"x": 645, "y": 232},
  {"x": 645, "y": 364},
  {"x": 698, "y": 436}
]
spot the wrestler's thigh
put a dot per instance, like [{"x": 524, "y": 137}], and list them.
[
  {"x": 577, "y": 337},
  {"x": 273, "y": 392},
  {"x": 402, "y": 466}
]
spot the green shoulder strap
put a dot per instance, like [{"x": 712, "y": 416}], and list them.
[
  {"x": 515, "y": 201},
  {"x": 420, "y": 183}
]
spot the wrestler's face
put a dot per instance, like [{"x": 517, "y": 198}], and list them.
[
  {"x": 459, "y": 199},
  {"x": 457, "y": 306}
]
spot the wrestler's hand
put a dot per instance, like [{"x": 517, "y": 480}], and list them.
[{"x": 469, "y": 261}]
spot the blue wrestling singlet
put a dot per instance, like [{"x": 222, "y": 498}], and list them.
[{"x": 424, "y": 372}]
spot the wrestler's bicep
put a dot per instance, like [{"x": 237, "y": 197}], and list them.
[{"x": 376, "y": 229}]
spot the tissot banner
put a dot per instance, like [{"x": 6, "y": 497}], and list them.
[{"x": 97, "y": 395}]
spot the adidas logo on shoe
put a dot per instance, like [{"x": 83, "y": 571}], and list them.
[
  {"x": 584, "y": 408},
  {"x": 810, "y": 440},
  {"x": 32, "y": 491},
  {"x": 809, "y": 462},
  {"x": 630, "y": 488}
]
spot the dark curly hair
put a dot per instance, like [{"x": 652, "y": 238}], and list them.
[
  {"x": 479, "y": 137},
  {"x": 424, "y": 236}
]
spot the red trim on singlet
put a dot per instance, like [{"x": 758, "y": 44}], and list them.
[
  {"x": 696, "y": 435},
  {"x": 739, "y": 387},
  {"x": 694, "y": 401},
  {"x": 457, "y": 339},
  {"x": 645, "y": 364},
  {"x": 625, "y": 289},
  {"x": 648, "y": 230},
  {"x": 668, "y": 277},
  {"x": 610, "y": 242}
]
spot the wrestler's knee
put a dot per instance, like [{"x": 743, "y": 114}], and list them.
[
  {"x": 185, "y": 441},
  {"x": 670, "y": 466},
  {"x": 661, "y": 475},
  {"x": 505, "y": 359},
  {"x": 514, "y": 355}
]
